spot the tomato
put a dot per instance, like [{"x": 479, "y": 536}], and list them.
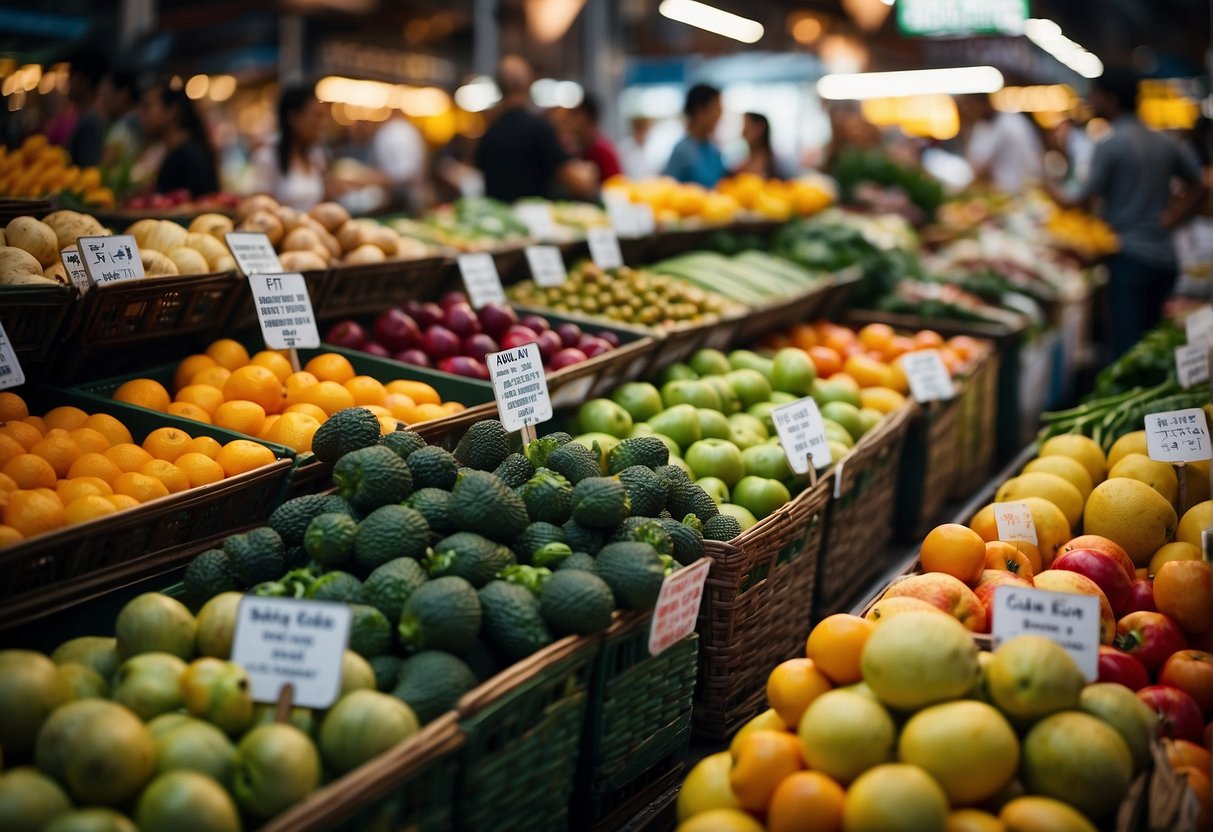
[
  {"x": 1183, "y": 589},
  {"x": 762, "y": 760},
  {"x": 1192, "y": 672},
  {"x": 1178, "y": 714},
  {"x": 826, "y": 360},
  {"x": 1149, "y": 636}
]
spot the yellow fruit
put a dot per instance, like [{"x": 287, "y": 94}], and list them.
[
  {"x": 844, "y": 734},
  {"x": 707, "y": 787},
  {"x": 1195, "y": 520},
  {"x": 90, "y": 507},
  {"x": 1042, "y": 814},
  {"x": 240, "y": 416},
  {"x": 366, "y": 390},
  {"x": 174, "y": 478},
  {"x": 884, "y": 399},
  {"x": 294, "y": 430},
  {"x": 1158, "y": 475},
  {"x": 228, "y": 354},
  {"x": 720, "y": 820},
  {"x": 972, "y": 820},
  {"x": 895, "y": 797},
  {"x": 1195, "y": 483},
  {"x": 255, "y": 384},
  {"x": 30, "y": 471},
  {"x": 189, "y": 411},
  {"x": 143, "y": 392},
  {"x": 69, "y": 490},
  {"x": 768, "y": 720},
  {"x": 109, "y": 427},
  {"x": 968, "y": 747},
  {"x": 142, "y": 487},
  {"x": 1049, "y": 487},
  {"x": 307, "y": 410},
  {"x": 1068, "y": 469},
  {"x": 1130, "y": 443},
  {"x": 128, "y": 457},
  {"x": 203, "y": 396},
  {"x": 1131, "y": 513},
  {"x": 89, "y": 441},
  {"x": 199, "y": 468},
  {"x": 276, "y": 362},
  {"x": 243, "y": 455},
  {"x": 65, "y": 418},
  {"x": 330, "y": 366},
  {"x": 1080, "y": 448},
  {"x": 1172, "y": 551},
  {"x": 122, "y": 501}
]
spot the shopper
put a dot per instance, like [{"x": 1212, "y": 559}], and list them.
[
  {"x": 634, "y": 150},
  {"x": 1132, "y": 176},
  {"x": 1004, "y": 149},
  {"x": 84, "y": 146},
  {"x": 167, "y": 118},
  {"x": 761, "y": 161},
  {"x": 594, "y": 146},
  {"x": 293, "y": 168},
  {"x": 520, "y": 154},
  {"x": 696, "y": 158},
  {"x": 393, "y": 157},
  {"x": 118, "y": 99}
]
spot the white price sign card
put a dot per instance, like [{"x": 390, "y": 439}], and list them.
[
  {"x": 604, "y": 248},
  {"x": 253, "y": 252},
  {"x": 11, "y": 374},
  {"x": 678, "y": 606},
  {"x": 1192, "y": 365},
  {"x": 111, "y": 259},
  {"x": 520, "y": 387},
  {"x": 644, "y": 223},
  {"x": 1178, "y": 436},
  {"x": 547, "y": 266},
  {"x": 283, "y": 641},
  {"x": 928, "y": 377},
  {"x": 1069, "y": 620},
  {"x": 1014, "y": 523},
  {"x": 284, "y": 311},
  {"x": 74, "y": 266},
  {"x": 537, "y": 217},
  {"x": 802, "y": 434},
  {"x": 1199, "y": 326},
  {"x": 480, "y": 278}
]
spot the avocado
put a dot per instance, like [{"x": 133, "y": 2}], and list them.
[
  {"x": 688, "y": 498},
  {"x": 582, "y": 538},
  {"x": 372, "y": 477},
  {"x": 433, "y": 467},
  {"x": 390, "y": 532},
  {"x": 485, "y": 445},
  {"x": 512, "y": 624},
  {"x": 600, "y": 502},
  {"x": 634, "y": 573},
  {"x": 481, "y": 503},
  {"x": 687, "y": 541},
  {"x": 390, "y": 585},
  {"x": 434, "y": 505},
  {"x": 291, "y": 518},
  {"x": 403, "y": 442},
  {"x": 722, "y": 527},
  {"x": 548, "y": 497},
  {"x": 330, "y": 538},
  {"x": 577, "y": 560},
  {"x": 515, "y": 470},
  {"x": 443, "y": 614},
  {"x": 575, "y": 462},
  {"x": 432, "y": 682},
  {"x": 256, "y": 556},
  {"x": 208, "y": 575},
  {"x": 576, "y": 602},
  {"x": 470, "y": 556},
  {"x": 337, "y": 586},
  {"x": 534, "y": 537},
  {"x": 345, "y": 431},
  {"x": 370, "y": 631},
  {"x": 645, "y": 489}
]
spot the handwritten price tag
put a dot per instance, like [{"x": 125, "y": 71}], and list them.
[
  {"x": 1178, "y": 436},
  {"x": 253, "y": 252},
  {"x": 928, "y": 377},
  {"x": 802, "y": 434},
  {"x": 74, "y": 266},
  {"x": 11, "y": 374},
  {"x": 1014, "y": 522},
  {"x": 547, "y": 265},
  {"x": 282, "y": 642},
  {"x": 520, "y": 387},
  {"x": 111, "y": 259},
  {"x": 1069, "y": 620},
  {"x": 604, "y": 248},
  {"x": 480, "y": 278},
  {"x": 284, "y": 311},
  {"x": 678, "y": 606},
  {"x": 1192, "y": 364}
]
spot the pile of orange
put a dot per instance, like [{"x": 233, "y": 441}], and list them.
[
  {"x": 261, "y": 395},
  {"x": 67, "y": 466}
]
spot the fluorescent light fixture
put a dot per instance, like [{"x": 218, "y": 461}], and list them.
[
  {"x": 1048, "y": 36},
  {"x": 953, "y": 81},
  {"x": 712, "y": 19}
]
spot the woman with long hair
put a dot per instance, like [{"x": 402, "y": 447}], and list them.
[
  {"x": 167, "y": 119},
  {"x": 756, "y": 130},
  {"x": 293, "y": 169}
]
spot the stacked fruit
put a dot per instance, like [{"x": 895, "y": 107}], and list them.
[
  {"x": 167, "y": 248},
  {"x": 455, "y": 338},
  {"x": 39, "y": 169},
  {"x": 906, "y": 725},
  {"x": 261, "y": 396},
  {"x": 68, "y": 467},
  {"x": 29, "y": 248},
  {"x": 1083, "y": 233}
]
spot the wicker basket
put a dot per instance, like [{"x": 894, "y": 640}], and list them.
[
  {"x": 522, "y": 741},
  {"x": 828, "y": 294},
  {"x": 34, "y": 319},
  {"x": 638, "y": 724},
  {"x": 411, "y": 786},
  {"x": 928, "y": 465},
  {"x": 351, "y": 291},
  {"x": 977, "y": 432},
  {"x": 13, "y": 207}
]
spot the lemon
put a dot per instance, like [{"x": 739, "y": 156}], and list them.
[
  {"x": 1058, "y": 491},
  {"x": 1080, "y": 448},
  {"x": 1158, "y": 475}
]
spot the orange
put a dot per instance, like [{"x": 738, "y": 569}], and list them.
[
  {"x": 65, "y": 418},
  {"x": 94, "y": 465},
  {"x": 242, "y": 455},
  {"x": 295, "y": 384},
  {"x": 418, "y": 391},
  {"x": 837, "y": 338},
  {"x": 24, "y": 433},
  {"x": 242, "y": 417},
  {"x": 174, "y": 478},
  {"x": 36, "y": 422},
  {"x": 30, "y": 471},
  {"x": 12, "y": 407},
  {"x": 9, "y": 536},
  {"x": 761, "y": 761},
  {"x": 122, "y": 501},
  {"x": 884, "y": 399},
  {"x": 7, "y": 483},
  {"x": 876, "y": 336},
  {"x": 142, "y": 487},
  {"x": 228, "y": 354},
  {"x": 928, "y": 339},
  {"x": 329, "y": 366},
  {"x": 206, "y": 445},
  {"x": 89, "y": 440},
  {"x": 425, "y": 412},
  {"x": 127, "y": 456},
  {"x": 214, "y": 376},
  {"x": 806, "y": 801},
  {"x": 1185, "y": 753},
  {"x": 144, "y": 392},
  {"x": 899, "y": 345},
  {"x": 309, "y": 410},
  {"x": 69, "y": 490},
  {"x": 378, "y": 410},
  {"x": 199, "y": 469},
  {"x": 189, "y": 411},
  {"x": 792, "y": 687},
  {"x": 255, "y": 384},
  {"x": 295, "y": 431},
  {"x": 868, "y": 372},
  {"x": 268, "y": 425},
  {"x": 955, "y": 550},
  {"x": 109, "y": 427},
  {"x": 9, "y": 448},
  {"x": 89, "y": 507},
  {"x": 366, "y": 391},
  {"x": 1008, "y": 557},
  {"x": 275, "y": 362},
  {"x": 451, "y": 408},
  {"x": 33, "y": 512},
  {"x": 826, "y": 360},
  {"x": 398, "y": 404},
  {"x": 188, "y": 367},
  {"x": 60, "y": 451},
  {"x": 388, "y": 424},
  {"x": 167, "y": 443},
  {"x": 329, "y": 396},
  {"x": 836, "y": 643},
  {"x": 203, "y": 396},
  {"x": 803, "y": 336}
]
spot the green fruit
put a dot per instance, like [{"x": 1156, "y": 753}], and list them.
[
  {"x": 750, "y": 386},
  {"x": 825, "y": 391},
  {"x": 1030, "y": 677},
  {"x": 217, "y": 625},
  {"x": 606, "y": 443},
  {"x": 749, "y": 424},
  {"x": 837, "y": 433},
  {"x": 101, "y": 654},
  {"x": 149, "y": 684},
  {"x": 676, "y": 372},
  {"x": 276, "y": 767},
  {"x": 766, "y": 461},
  {"x": 844, "y": 734},
  {"x": 747, "y": 360},
  {"x": 186, "y": 801},
  {"x": 925, "y": 658},
  {"x": 713, "y": 424},
  {"x": 680, "y": 423},
  {"x": 30, "y": 689},
  {"x": 762, "y": 412},
  {"x": 698, "y": 393},
  {"x": 645, "y": 429},
  {"x": 29, "y": 800},
  {"x": 793, "y": 371},
  {"x": 716, "y": 488},
  {"x": 869, "y": 419},
  {"x": 83, "y": 682},
  {"x": 708, "y": 362},
  {"x": 745, "y": 439},
  {"x": 846, "y": 415},
  {"x": 779, "y": 397},
  {"x": 744, "y": 517},
  {"x": 604, "y": 416},
  {"x": 837, "y": 449},
  {"x": 681, "y": 464},
  {"x": 730, "y": 402},
  {"x": 219, "y": 692},
  {"x": 155, "y": 623},
  {"x": 1080, "y": 760},
  {"x": 760, "y": 496},
  {"x": 716, "y": 458},
  {"x": 639, "y": 398},
  {"x": 91, "y": 820},
  {"x": 361, "y": 726},
  {"x": 195, "y": 745},
  {"x": 100, "y": 750}
]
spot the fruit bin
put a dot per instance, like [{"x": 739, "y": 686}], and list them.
[
  {"x": 411, "y": 786},
  {"x": 977, "y": 434},
  {"x": 33, "y": 318},
  {"x": 522, "y": 736},
  {"x": 369, "y": 288},
  {"x": 781, "y": 314},
  {"x": 638, "y": 724}
]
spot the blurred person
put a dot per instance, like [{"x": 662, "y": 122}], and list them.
[
  {"x": 167, "y": 118},
  {"x": 1003, "y": 148},
  {"x": 1145, "y": 186},
  {"x": 850, "y": 132},
  {"x": 394, "y": 154},
  {"x": 592, "y": 145},
  {"x": 1077, "y": 148},
  {"x": 633, "y": 150},
  {"x": 118, "y": 99},
  {"x": 520, "y": 153},
  {"x": 696, "y": 158},
  {"x": 88, "y": 133},
  {"x": 761, "y": 160},
  {"x": 455, "y": 172},
  {"x": 293, "y": 169}
]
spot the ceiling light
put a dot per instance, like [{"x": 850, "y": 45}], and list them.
[
  {"x": 477, "y": 95},
  {"x": 1048, "y": 36},
  {"x": 712, "y": 19},
  {"x": 953, "y": 81}
]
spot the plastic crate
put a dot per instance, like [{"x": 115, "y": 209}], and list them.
[{"x": 34, "y": 319}]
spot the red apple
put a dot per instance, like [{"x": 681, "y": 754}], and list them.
[
  {"x": 413, "y": 356},
  {"x": 1103, "y": 544},
  {"x": 610, "y": 337},
  {"x": 462, "y": 365},
  {"x": 597, "y": 348},
  {"x": 1178, "y": 714},
  {"x": 549, "y": 344},
  {"x": 518, "y": 335},
  {"x": 570, "y": 334},
  {"x": 990, "y": 580},
  {"x": 1142, "y": 598},
  {"x": 460, "y": 318},
  {"x": 451, "y": 298},
  {"x": 1151, "y": 637},
  {"x": 479, "y": 345},
  {"x": 428, "y": 315},
  {"x": 396, "y": 330},
  {"x": 1119, "y": 667},
  {"x": 375, "y": 348},
  {"x": 566, "y": 358},
  {"x": 496, "y": 318},
  {"x": 948, "y": 594},
  {"x": 1104, "y": 570},
  {"x": 347, "y": 334},
  {"x": 536, "y": 322},
  {"x": 440, "y": 342}
]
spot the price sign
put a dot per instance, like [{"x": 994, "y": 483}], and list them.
[
  {"x": 630, "y": 219},
  {"x": 537, "y": 217},
  {"x": 802, "y": 434},
  {"x": 111, "y": 259},
  {"x": 644, "y": 223},
  {"x": 284, "y": 311},
  {"x": 480, "y": 278},
  {"x": 1178, "y": 436},
  {"x": 604, "y": 248},
  {"x": 11, "y": 374},
  {"x": 1014, "y": 523},
  {"x": 282, "y": 641},
  {"x": 928, "y": 377},
  {"x": 1192, "y": 364},
  {"x": 678, "y": 606},
  {"x": 1199, "y": 326},
  {"x": 253, "y": 252},
  {"x": 547, "y": 265},
  {"x": 1069, "y": 620},
  {"x": 74, "y": 266},
  {"x": 520, "y": 387}
]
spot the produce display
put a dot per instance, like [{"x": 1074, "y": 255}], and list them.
[
  {"x": 751, "y": 277},
  {"x": 39, "y": 169},
  {"x": 30, "y": 248},
  {"x": 480, "y": 224},
  {"x": 181, "y": 203},
  {"x": 1083, "y": 233},
  {"x": 168, "y": 248},
  {"x": 680, "y": 203},
  {"x": 455, "y": 338},
  {"x": 68, "y": 466}
]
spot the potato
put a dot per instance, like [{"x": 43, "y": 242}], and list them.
[
  {"x": 265, "y": 223},
  {"x": 331, "y": 215},
  {"x": 57, "y": 272},
  {"x": 158, "y": 235},
  {"x": 18, "y": 261},
  {"x": 329, "y": 242},
  {"x": 214, "y": 225},
  {"x": 351, "y": 235},
  {"x": 70, "y": 226},
  {"x": 189, "y": 261},
  {"x": 206, "y": 245},
  {"x": 226, "y": 263},
  {"x": 255, "y": 204},
  {"x": 26, "y": 280},
  {"x": 301, "y": 239},
  {"x": 366, "y": 253},
  {"x": 156, "y": 264},
  {"x": 302, "y": 261},
  {"x": 385, "y": 239},
  {"x": 34, "y": 236}
]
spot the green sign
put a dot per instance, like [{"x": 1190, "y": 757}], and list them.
[{"x": 929, "y": 18}]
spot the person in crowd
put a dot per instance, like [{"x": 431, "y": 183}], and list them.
[
  {"x": 761, "y": 161},
  {"x": 594, "y": 146},
  {"x": 1004, "y": 149},
  {"x": 696, "y": 158},
  {"x": 87, "y": 136},
  {"x": 393, "y": 154},
  {"x": 293, "y": 169},
  {"x": 520, "y": 153},
  {"x": 633, "y": 150},
  {"x": 455, "y": 171},
  {"x": 118, "y": 98},
  {"x": 1145, "y": 186},
  {"x": 167, "y": 118}
]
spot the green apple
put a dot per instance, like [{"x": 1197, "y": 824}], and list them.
[
  {"x": 826, "y": 391},
  {"x": 766, "y": 461},
  {"x": 680, "y": 423},
  {"x": 869, "y": 418},
  {"x": 697, "y": 392},
  {"x": 744, "y": 438},
  {"x": 149, "y": 684},
  {"x": 645, "y": 429},
  {"x": 198, "y": 746},
  {"x": 708, "y": 362},
  {"x": 604, "y": 441},
  {"x": 792, "y": 371},
  {"x": 846, "y": 415},
  {"x": 676, "y": 371},
  {"x": 748, "y": 360},
  {"x": 837, "y": 449},
  {"x": 762, "y": 412},
  {"x": 751, "y": 424},
  {"x": 276, "y": 767},
  {"x": 730, "y": 402},
  {"x": 742, "y": 515},
  {"x": 713, "y": 424},
  {"x": 356, "y": 674},
  {"x": 837, "y": 433},
  {"x": 716, "y": 458},
  {"x": 715, "y": 487},
  {"x": 603, "y": 416},
  {"x": 780, "y": 397},
  {"x": 760, "y": 496},
  {"x": 639, "y": 398},
  {"x": 750, "y": 386},
  {"x": 219, "y": 692}
]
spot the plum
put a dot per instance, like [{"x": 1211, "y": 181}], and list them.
[{"x": 347, "y": 334}]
